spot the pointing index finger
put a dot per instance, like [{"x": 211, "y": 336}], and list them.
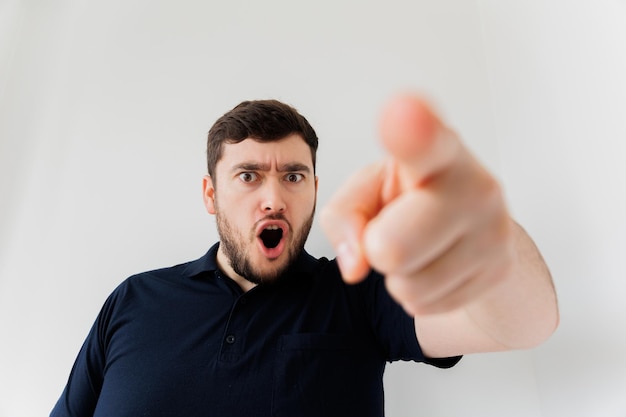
[{"x": 419, "y": 143}]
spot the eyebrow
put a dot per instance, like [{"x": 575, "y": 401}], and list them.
[{"x": 255, "y": 166}]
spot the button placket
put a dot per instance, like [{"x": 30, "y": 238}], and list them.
[{"x": 233, "y": 341}]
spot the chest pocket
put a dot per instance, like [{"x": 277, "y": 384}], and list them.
[{"x": 326, "y": 375}]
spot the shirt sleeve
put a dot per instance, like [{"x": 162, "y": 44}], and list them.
[
  {"x": 80, "y": 395},
  {"x": 394, "y": 328}
]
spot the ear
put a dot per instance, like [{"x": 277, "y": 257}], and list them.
[{"x": 208, "y": 194}]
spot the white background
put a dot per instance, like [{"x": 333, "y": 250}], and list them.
[{"x": 104, "y": 108}]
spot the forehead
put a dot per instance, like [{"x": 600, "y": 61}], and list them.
[{"x": 290, "y": 149}]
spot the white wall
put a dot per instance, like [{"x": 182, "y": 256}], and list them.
[{"x": 103, "y": 111}]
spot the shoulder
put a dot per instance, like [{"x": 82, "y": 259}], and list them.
[
  {"x": 160, "y": 284},
  {"x": 182, "y": 275},
  {"x": 172, "y": 275}
]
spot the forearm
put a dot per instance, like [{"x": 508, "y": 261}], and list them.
[{"x": 521, "y": 311}]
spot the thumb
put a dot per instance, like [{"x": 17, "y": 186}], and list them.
[{"x": 419, "y": 144}]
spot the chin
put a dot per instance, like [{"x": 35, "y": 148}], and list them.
[{"x": 272, "y": 272}]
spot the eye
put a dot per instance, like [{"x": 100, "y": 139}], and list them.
[
  {"x": 294, "y": 177},
  {"x": 248, "y": 177}
]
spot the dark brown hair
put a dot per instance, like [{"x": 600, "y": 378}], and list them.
[{"x": 261, "y": 120}]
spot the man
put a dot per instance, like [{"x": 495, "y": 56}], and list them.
[{"x": 430, "y": 266}]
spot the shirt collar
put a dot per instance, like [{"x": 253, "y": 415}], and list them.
[{"x": 206, "y": 263}]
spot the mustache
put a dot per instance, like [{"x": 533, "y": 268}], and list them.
[{"x": 274, "y": 216}]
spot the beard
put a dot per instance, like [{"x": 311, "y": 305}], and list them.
[{"x": 234, "y": 244}]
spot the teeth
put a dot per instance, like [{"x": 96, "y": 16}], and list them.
[{"x": 272, "y": 227}]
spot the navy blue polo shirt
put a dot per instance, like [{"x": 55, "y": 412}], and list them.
[{"x": 187, "y": 341}]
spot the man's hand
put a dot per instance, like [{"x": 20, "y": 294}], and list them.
[{"x": 429, "y": 217}]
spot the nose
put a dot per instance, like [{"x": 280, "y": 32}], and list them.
[{"x": 273, "y": 200}]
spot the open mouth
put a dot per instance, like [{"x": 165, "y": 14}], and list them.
[{"x": 271, "y": 236}]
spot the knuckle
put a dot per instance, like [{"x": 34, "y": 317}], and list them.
[
  {"x": 385, "y": 253},
  {"x": 482, "y": 194}
]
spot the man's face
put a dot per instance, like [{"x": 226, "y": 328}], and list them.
[{"x": 263, "y": 196}]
